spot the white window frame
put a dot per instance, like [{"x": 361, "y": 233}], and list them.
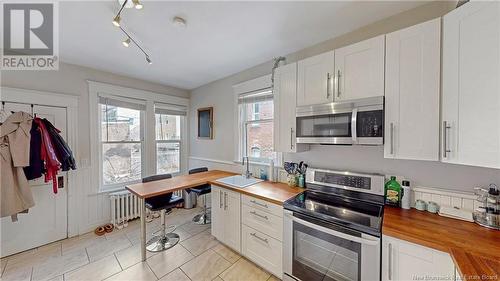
[
  {"x": 181, "y": 147},
  {"x": 105, "y": 187},
  {"x": 148, "y": 160},
  {"x": 257, "y": 84}
]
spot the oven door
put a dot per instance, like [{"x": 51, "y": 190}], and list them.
[{"x": 315, "y": 250}]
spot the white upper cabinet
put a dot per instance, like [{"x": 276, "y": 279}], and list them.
[
  {"x": 359, "y": 70},
  {"x": 471, "y": 87},
  {"x": 315, "y": 79},
  {"x": 285, "y": 101},
  {"x": 412, "y": 80}
]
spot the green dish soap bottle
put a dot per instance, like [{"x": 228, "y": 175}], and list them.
[{"x": 393, "y": 192}]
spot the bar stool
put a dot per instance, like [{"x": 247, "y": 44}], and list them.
[
  {"x": 163, "y": 203},
  {"x": 203, "y": 218}
]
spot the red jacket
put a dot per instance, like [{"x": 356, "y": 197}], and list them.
[{"x": 48, "y": 155}]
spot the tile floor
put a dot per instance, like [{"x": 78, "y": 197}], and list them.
[{"x": 116, "y": 256}]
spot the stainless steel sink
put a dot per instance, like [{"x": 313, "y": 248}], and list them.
[{"x": 238, "y": 181}]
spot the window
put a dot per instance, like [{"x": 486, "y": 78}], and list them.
[
  {"x": 121, "y": 142},
  {"x": 256, "y": 113},
  {"x": 169, "y": 123}
]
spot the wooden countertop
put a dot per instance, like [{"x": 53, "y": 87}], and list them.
[
  {"x": 273, "y": 192},
  {"x": 474, "y": 249},
  {"x": 276, "y": 193},
  {"x": 155, "y": 188}
]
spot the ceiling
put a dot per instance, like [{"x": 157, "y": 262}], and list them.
[{"x": 221, "y": 38}]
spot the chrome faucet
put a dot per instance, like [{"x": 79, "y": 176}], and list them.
[{"x": 247, "y": 173}]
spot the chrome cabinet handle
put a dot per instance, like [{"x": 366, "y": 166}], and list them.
[
  {"x": 259, "y": 215},
  {"x": 445, "y": 139},
  {"x": 260, "y": 204},
  {"x": 329, "y": 85},
  {"x": 220, "y": 198},
  {"x": 225, "y": 201},
  {"x": 392, "y": 138},
  {"x": 260, "y": 238},
  {"x": 291, "y": 138},
  {"x": 338, "y": 83},
  {"x": 389, "y": 272}
]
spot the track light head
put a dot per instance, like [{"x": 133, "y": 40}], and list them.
[
  {"x": 149, "y": 60},
  {"x": 116, "y": 20},
  {"x": 126, "y": 42},
  {"x": 137, "y": 4}
]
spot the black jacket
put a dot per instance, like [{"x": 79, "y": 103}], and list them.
[{"x": 36, "y": 167}]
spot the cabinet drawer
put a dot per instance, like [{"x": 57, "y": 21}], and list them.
[
  {"x": 262, "y": 205},
  {"x": 262, "y": 249},
  {"x": 263, "y": 221}
]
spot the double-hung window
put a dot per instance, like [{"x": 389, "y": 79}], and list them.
[
  {"x": 169, "y": 126},
  {"x": 121, "y": 141},
  {"x": 256, "y": 113}
]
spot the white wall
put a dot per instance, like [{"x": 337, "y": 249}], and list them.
[
  {"x": 72, "y": 80},
  {"x": 219, "y": 94}
]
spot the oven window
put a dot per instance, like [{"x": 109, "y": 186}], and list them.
[
  {"x": 336, "y": 125},
  {"x": 321, "y": 256}
]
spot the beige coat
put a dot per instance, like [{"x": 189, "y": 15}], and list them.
[{"x": 15, "y": 192}]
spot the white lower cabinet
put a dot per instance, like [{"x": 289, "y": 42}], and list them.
[
  {"x": 403, "y": 261},
  {"x": 226, "y": 220},
  {"x": 252, "y": 227},
  {"x": 262, "y": 249}
]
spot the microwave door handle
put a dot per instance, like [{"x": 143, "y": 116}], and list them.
[
  {"x": 362, "y": 240},
  {"x": 354, "y": 122}
]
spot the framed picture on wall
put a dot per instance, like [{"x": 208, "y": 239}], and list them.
[{"x": 205, "y": 123}]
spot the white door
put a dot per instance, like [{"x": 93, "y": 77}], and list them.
[
  {"x": 315, "y": 79},
  {"x": 412, "y": 87},
  {"x": 47, "y": 221},
  {"x": 359, "y": 69},
  {"x": 217, "y": 213},
  {"x": 471, "y": 88},
  {"x": 402, "y": 260},
  {"x": 232, "y": 220},
  {"x": 285, "y": 102}
]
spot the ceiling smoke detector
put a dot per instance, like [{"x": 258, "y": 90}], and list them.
[{"x": 179, "y": 22}]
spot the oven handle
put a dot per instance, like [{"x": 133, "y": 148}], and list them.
[
  {"x": 354, "y": 122},
  {"x": 362, "y": 240}
]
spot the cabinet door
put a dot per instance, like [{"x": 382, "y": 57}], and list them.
[
  {"x": 285, "y": 102},
  {"x": 402, "y": 260},
  {"x": 217, "y": 212},
  {"x": 232, "y": 220},
  {"x": 359, "y": 70},
  {"x": 315, "y": 79},
  {"x": 412, "y": 80},
  {"x": 471, "y": 91}
]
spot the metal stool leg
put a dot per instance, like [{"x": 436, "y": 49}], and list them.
[
  {"x": 203, "y": 218},
  {"x": 165, "y": 240}
]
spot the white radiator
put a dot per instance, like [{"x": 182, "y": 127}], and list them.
[{"x": 125, "y": 207}]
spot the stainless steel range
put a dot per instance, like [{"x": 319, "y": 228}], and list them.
[{"x": 332, "y": 231}]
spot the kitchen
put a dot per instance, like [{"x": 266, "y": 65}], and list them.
[{"x": 395, "y": 97}]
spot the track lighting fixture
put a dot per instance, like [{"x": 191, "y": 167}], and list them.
[
  {"x": 129, "y": 40},
  {"x": 126, "y": 42},
  {"x": 116, "y": 20},
  {"x": 137, "y": 4}
]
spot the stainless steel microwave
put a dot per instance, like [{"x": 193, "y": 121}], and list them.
[{"x": 352, "y": 122}]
